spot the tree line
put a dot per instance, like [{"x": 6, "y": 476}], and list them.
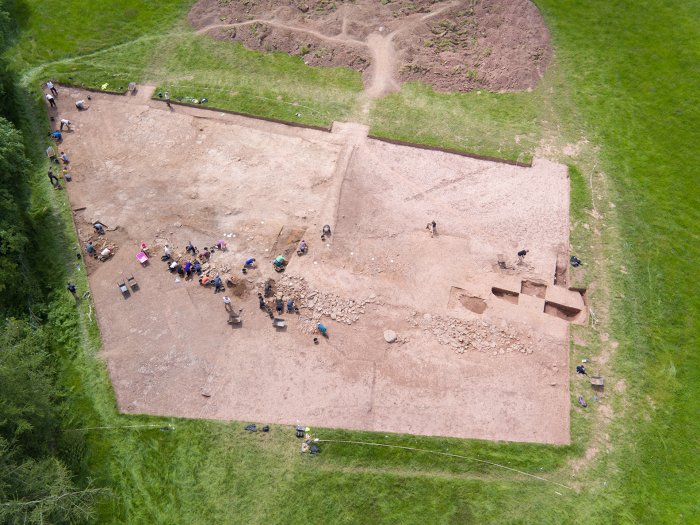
[{"x": 37, "y": 485}]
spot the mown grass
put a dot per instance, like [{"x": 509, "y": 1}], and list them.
[
  {"x": 272, "y": 85},
  {"x": 501, "y": 125},
  {"x": 626, "y": 77},
  {"x": 191, "y": 66},
  {"x": 50, "y": 31},
  {"x": 633, "y": 74}
]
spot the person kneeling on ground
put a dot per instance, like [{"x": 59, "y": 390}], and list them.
[
  {"x": 166, "y": 253},
  {"x": 90, "y": 249},
  {"x": 204, "y": 280},
  {"x": 80, "y": 104},
  {"x": 99, "y": 228},
  {"x": 323, "y": 330},
  {"x": 303, "y": 247},
  {"x": 197, "y": 267},
  {"x": 190, "y": 248}
]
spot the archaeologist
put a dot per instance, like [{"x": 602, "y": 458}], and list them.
[
  {"x": 521, "y": 256},
  {"x": 53, "y": 179},
  {"x": 99, "y": 228},
  {"x": 65, "y": 123},
  {"x": 190, "y": 248},
  {"x": 80, "y": 104},
  {"x": 432, "y": 227},
  {"x": 303, "y": 248},
  {"x": 290, "y": 306},
  {"x": 227, "y": 303},
  {"x": 51, "y": 100},
  {"x": 197, "y": 267},
  {"x": 218, "y": 285},
  {"x": 166, "y": 253},
  {"x": 51, "y": 154},
  {"x": 52, "y": 88},
  {"x": 250, "y": 263},
  {"x": 64, "y": 158},
  {"x": 279, "y": 263},
  {"x": 322, "y": 330},
  {"x": 261, "y": 300},
  {"x": 279, "y": 305},
  {"x": 325, "y": 232},
  {"x": 166, "y": 96}
]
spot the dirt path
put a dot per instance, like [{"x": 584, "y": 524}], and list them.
[{"x": 317, "y": 34}]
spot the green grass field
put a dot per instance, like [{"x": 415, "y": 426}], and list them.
[{"x": 625, "y": 78}]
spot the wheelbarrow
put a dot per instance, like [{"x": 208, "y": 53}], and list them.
[
  {"x": 142, "y": 257},
  {"x": 234, "y": 318},
  {"x": 132, "y": 283},
  {"x": 278, "y": 322}
]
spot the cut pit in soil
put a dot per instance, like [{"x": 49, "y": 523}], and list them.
[
  {"x": 535, "y": 288},
  {"x": 567, "y": 313},
  {"x": 506, "y": 295},
  {"x": 460, "y": 298}
]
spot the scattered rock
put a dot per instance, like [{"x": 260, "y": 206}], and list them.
[{"x": 390, "y": 336}]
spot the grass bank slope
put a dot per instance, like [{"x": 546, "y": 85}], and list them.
[{"x": 633, "y": 70}]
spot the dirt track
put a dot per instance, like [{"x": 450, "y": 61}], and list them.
[
  {"x": 481, "y": 352},
  {"x": 454, "y": 46}
]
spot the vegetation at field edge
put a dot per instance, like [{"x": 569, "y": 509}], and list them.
[{"x": 626, "y": 78}]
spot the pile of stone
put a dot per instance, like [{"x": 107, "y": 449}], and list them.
[
  {"x": 475, "y": 335},
  {"x": 317, "y": 305}
]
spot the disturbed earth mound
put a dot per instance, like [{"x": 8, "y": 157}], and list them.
[{"x": 454, "y": 46}]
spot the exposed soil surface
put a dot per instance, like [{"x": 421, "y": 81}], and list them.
[
  {"x": 459, "y": 45},
  {"x": 465, "y": 363}
]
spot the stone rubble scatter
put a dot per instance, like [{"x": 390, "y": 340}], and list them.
[
  {"x": 475, "y": 335},
  {"x": 316, "y": 305},
  {"x": 458, "y": 334}
]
